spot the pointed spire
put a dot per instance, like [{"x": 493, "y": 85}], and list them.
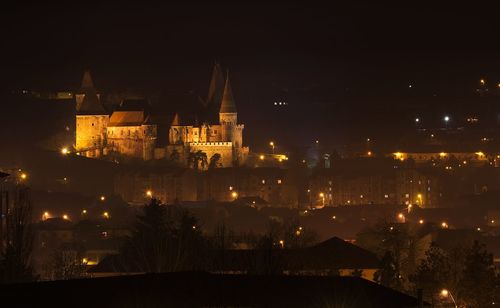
[
  {"x": 227, "y": 105},
  {"x": 216, "y": 85},
  {"x": 91, "y": 105},
  {"x": 176, "y": 121},
  {"x": 87, "y": 82}
]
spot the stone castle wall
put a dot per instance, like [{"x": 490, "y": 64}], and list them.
[{"x": 91, "y": 133}]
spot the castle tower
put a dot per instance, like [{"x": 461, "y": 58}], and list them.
[
  {"x": 228, "y": 118},
  {"x": 176, "y": 132},
  {"x": 227, "y": 113},
  {"x": 91, "y": 120}
]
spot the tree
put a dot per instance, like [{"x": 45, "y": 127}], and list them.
[
  {"x": 164, "y": 239},
  {"x": 175, "y": 156},
  {"x": 198, "y": 159},
  {"x": 66, "y": 263},
  {"x": 15, "y": 263},
  {"x": 398, "y": 239},
  {"x": 388, "y": 274},
  {"x": 478, "y": 282},
  {"x": 435, "y": 273},
  {"x": 215, "y": 161},
  {"x": 295, "y": 236}
]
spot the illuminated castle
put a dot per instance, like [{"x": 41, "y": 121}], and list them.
[{"x": 132, "y": 131}]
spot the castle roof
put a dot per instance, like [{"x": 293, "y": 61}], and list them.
[
  {"x": 91, "y": 104},
  {"x": 176, "y": 121},
  {"x": 87, "y": 82},
  {"x": 227, "y": 105},
  {"x": 216, "y": 87},
  {"x": 127, "y": 118}
]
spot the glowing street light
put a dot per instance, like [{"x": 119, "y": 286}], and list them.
[
  {"x": 149, "y": 193},
  {"x": 65, "y": 217},
  {"x": 102, "y": 198},
  {"x": 322, "y": 196},
  {"x": 45, "y": 216},
  {"x": 261, "y": 157},
  {"x": 23, "y": 176},
  {"x": 444, "y": 225},
  {"x": 282, "y": 243},
  {"x": 272, "y": 145},
  {"x": 446, "y": 120},
  {"x": 446, "y": 293},
  {"x": 65, "y": 151},
  {"x": 421, "y": 221},
  {"x": 234, "y": 194},
  {"x": 417, "y": 120},
  {"x": 105, "y": 215},
  {"x": 84, "y": 212}
]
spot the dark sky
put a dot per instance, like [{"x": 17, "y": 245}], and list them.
[
  {"x": 287, "y": 44},
  {"x": 309, "y": 54}
]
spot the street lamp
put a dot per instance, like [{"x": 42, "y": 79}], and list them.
[
  {"x": 149, "y": 193},
  {"x": 272, "y": 145},
  {"x": 322, "y": 196},
  {"x": 64, "y": 151},
  {"x": 446, "y": 120},
  {"x": 446, "y": 293}
]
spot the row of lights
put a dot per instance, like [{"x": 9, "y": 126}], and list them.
[{"x": 46, "y": 215}]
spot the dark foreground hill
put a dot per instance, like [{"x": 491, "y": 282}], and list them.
[{"x": 197, "y": 289}]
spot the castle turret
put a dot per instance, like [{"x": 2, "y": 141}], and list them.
[
  {"x": 91, "y": 120},
  {"x": 227, "y": 112},
  {"x": 228, "y": 117}
]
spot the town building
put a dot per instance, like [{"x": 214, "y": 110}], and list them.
[
  {"x": 276, "y": 186},
  {"x": 372, "y": 181}
]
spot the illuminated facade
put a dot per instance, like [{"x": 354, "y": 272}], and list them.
[{"x": 132, "y": 133}]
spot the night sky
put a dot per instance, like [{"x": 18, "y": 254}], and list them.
[{"x": 339, "y": 67}]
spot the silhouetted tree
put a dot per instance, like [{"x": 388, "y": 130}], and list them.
[
  {"x": 388, "y": 274},
  {"x": 268, "y": 257},
  {"x": 165, "y": 239},
  {"x": 66, "y": 263},
  {"x": 398, "y": 239},
  {"x": 478, "y": 282},
  {"x": 296, "y": 236},
  {"x": 15, "y": 263},
  {"x": 434, "y": 273},
  {"x": 175, "y": 156},
  {"x": 215, "y": 161},
  {"x": 198, "y": 159}
]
